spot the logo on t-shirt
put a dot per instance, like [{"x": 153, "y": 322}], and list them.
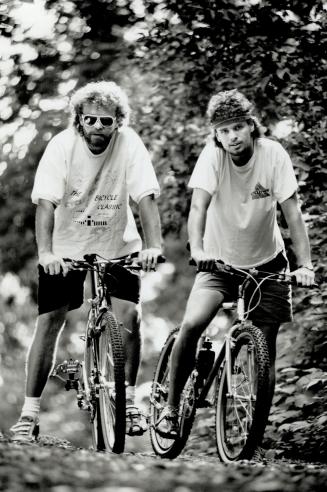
[{"x": 259, "y": 192}]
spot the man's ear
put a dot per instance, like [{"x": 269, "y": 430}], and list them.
[
  {"x": 252, "y": 126},
  {"x": 216, "y": 135}
]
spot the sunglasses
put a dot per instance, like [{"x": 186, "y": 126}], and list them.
[{"x": 91, "y": 120}]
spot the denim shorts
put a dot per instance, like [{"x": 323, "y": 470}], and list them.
[
  {"x": 57, "y": 291},
  {"x": 275, "y": 306}
]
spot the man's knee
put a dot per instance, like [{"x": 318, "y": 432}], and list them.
[
  {"x": 128, "y": 315},
  {"x": 132, "y": 315},
  {"x": 191, "y": 329},
  {"x": 51, "y": 322},
  {"x": 201, "y": 308}
]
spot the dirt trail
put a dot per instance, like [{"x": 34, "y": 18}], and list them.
[{"x": 57, "y": 466}]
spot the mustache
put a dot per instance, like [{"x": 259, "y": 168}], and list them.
[{"x": 99, "y": 135}]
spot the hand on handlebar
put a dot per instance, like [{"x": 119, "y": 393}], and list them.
[
  {"x": 304, "y": 276},
  {"x": 52, "y": 264},
  {"x": 149, "y": 257},
  {"x": 204, "y": 262}
]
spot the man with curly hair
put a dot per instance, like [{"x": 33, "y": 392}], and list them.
[
  {"x": 237, "y": 182},
  {"x": 82, "y": 188}
]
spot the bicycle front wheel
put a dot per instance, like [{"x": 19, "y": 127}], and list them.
[
  {"x": 90, "y": 382},
  {"x": 165, "y": 447},
  {"x": 242, "y": 412},
  {"x": 112, "y": 389}
]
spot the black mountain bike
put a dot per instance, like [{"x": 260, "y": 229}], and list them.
[
  {"x": 99, "y": 379},
  {"x": 237, "y": 377}
]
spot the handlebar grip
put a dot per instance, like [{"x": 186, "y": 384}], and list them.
[
  {"x": 161, "y": 258},
  {"x": 192, "y": 262}
]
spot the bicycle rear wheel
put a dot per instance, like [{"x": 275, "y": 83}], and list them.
[
  {"x": 164, "y": 447},
  {"x": 112, "y": 388},
  {"x": 241, "y": 415}
]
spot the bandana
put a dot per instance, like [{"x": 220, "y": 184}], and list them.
[{"x": 229, "y": 106}]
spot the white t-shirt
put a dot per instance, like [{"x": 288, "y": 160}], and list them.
[
  {"x": 92, "y": 193},
  {"x": 241, "y": 226}
]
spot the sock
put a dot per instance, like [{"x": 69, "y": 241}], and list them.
[
  {"x": 130, "y": 395},
  {"x": 31, "y": 407}
]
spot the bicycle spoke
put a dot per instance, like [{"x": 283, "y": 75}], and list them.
[
  {"x": 112, "y": 384},
  {"x": 165, "y": 447},
  {"x": 237, "y": 421}
]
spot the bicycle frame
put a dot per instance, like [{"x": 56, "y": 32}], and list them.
[
  {"x": 224, "y": 354},
  {"x": 99, "y": 303},
  {"x": 225, "y": 351}
]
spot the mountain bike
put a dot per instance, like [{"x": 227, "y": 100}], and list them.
[
  {"x": 237, "y": 377},
  {"x": 99, "y": 379}
]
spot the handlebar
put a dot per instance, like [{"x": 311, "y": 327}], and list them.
[
  {"x": 91, "y": 262},
  {"x": 254, "y": 272}
]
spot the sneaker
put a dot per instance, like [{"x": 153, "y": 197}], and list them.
[
  {"x": 136, "y": 423},
  {"x": 167, "y": 424},
  {"x": 26, "y": 430}
]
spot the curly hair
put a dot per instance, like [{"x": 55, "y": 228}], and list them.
[
  {"x": 229, "y": 106},
  {"x": 101, "y": 93}
]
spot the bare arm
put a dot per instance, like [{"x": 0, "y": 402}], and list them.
[
  {"x": 196, "y": 226},
  {"x": 150, "y": 220},
  {"x": 44, "y": 224},
  {"x": 293, "y": 216}
]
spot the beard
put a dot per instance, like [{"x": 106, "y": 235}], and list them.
[{"x": 96, "y": 142}]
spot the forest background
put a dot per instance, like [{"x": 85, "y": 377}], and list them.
[{"x": 170, "y": 57}]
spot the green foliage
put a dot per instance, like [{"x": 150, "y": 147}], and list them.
[
  {"x": 188, "y": 50},
  {"x": 273, "y": 51},
  {"x": 263, "y": 48},
  {"x": 298, "y": 420},
  {"x": 39, "y": 68}
]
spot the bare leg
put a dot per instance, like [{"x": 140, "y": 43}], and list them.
[
  {"x": 128, "y": 314},
  {"x": 270, "y": 332},
  {"x": 201, "y": 307},
  {"x": 41, "y": 355}
]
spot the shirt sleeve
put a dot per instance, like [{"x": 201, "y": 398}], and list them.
[
  {"x": 50, "y": 177},
  {"x": 285, "y": 183},
  {"x": 205, "y": 174},
  {"x": 141, "y": 177}
]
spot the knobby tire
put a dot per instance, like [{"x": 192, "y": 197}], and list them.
[
  {"x": 112, "y": 396},
  {"x": 164, "y": 447},
  {"x": 249, "y": 414},
  {"x": 90, "y": 352}
]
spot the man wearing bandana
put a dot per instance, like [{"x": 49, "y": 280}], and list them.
[{"x": 237, "y": 182}]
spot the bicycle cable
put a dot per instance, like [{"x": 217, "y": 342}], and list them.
[
  {"x": 247, "y": 276},
  {"x": 257, "y": 288}
]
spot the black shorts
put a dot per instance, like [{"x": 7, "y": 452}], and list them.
[
  {"x": 276, "y": 299},
  {"x": 57, "y": 291}
]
